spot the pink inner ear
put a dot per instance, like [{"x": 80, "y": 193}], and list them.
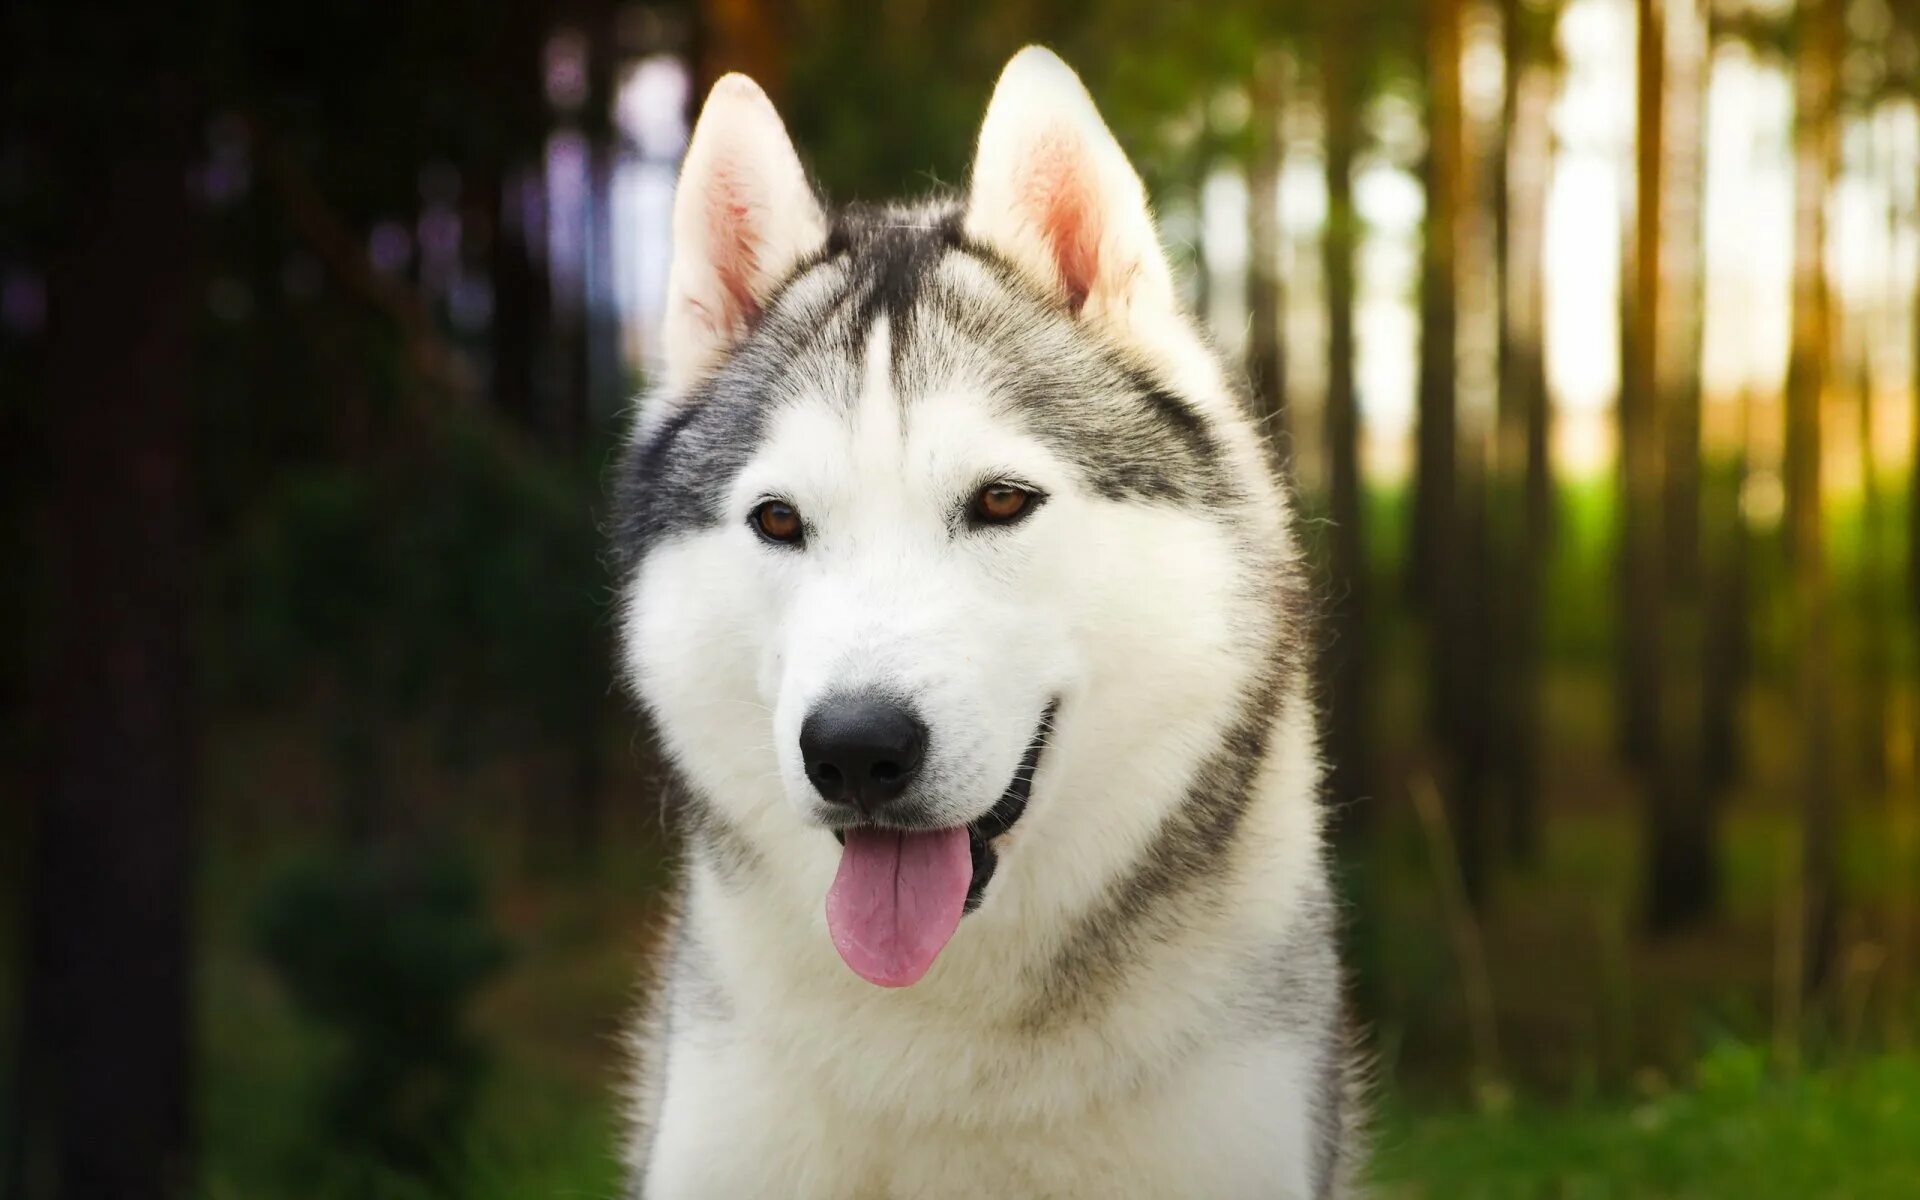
[
  {"x": 1061, "y": 192},
  {"x": 734, "y": 242}
]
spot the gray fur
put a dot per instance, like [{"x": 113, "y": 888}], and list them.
[{"x": 1131, "y": 436}]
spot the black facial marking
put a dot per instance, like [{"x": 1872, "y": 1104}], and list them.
[
  {"x": 1005, "y": 811},
  {"x": 897, "y": 253}
]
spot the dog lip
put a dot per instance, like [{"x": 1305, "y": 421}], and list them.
[
  {"x": 1005, "y": 811},
  {"x": 1013, "y": 802}
]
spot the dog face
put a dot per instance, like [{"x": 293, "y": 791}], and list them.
[{"x": 939, "y": 506}]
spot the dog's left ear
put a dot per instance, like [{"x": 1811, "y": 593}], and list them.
[
  {"x": 743, "y": 217},
  {"x": 1052, "y": 191}
]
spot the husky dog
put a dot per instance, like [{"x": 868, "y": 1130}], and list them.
[{"x": 960, "y": 589}]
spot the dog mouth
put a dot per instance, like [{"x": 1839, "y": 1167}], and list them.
[
  {"x": 1007, "y": 810},
  {"x": 900, "y": 893}
]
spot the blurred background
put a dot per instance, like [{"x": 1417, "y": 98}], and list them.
[{"x": 1587, "y": 328}]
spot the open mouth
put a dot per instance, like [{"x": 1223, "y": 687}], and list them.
[{"x": 899, "y": 894}]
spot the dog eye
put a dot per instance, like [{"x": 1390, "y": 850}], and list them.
[
  {"x": 1001, "y": 504},
  {"x": 777, "y": 521}
]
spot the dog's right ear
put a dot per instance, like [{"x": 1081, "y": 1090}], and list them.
[{"x": 743, "y": 216}]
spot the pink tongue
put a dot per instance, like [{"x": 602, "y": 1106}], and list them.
[{"x": 896, "y": 901}]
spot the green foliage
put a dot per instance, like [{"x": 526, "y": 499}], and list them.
[
  {"x": 386, "y": 949},
  {"x": 466, "y": 586},
  {"x": 1741, "y": 1132},
  {"x": 920, "y": 75}
]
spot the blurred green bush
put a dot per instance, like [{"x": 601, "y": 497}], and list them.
[{"x": 387, "y": 948}]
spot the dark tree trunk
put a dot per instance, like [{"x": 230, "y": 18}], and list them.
[
  {"x": 1463, "y": 656},
  {"x": 1449, "y": 553},
  {"x": 1639, "y": 624},
  {"x": 520, "y": 305},
  {"x": 1814, "y": 165},
  {"x": 104, "y": 1104},
  {"x": 1726, "y": 659},
  {"x": 1682, "y": 883},
  {"x": 1523, "y": 472},
  {"x": 1345, "y": 667},
  {"x": 1429, "y": 556}
]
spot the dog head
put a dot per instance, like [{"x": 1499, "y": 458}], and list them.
[{"x": 943, "y": 512}]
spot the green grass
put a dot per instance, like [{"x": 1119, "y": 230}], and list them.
[{"x": 1739, "y": 1133}]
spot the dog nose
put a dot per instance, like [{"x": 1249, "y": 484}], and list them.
[{"x": 862, "y": 750}]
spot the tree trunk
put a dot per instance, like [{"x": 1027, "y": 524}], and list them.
[
  {"x": 520, "y": 305},
  {"x": 104, "y": 1104},
  {"x": 1266, "y": 346},
  {"x": 1682, "y": 882},
  {"x": 1814, "y": 163},
  {"x": 1725, "y": 653},
  {"x": 1430, "y": 556},
  {"x": 1523, "y": 479},
  {"x": 1450, "y": 501},
  {"x": 1639, "y": 539},
  {"x": 1346, "y": 660}
]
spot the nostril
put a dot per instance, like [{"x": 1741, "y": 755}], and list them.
[{"x": 862, "y": 750}]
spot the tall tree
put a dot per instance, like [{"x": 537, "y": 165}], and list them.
[
  {"x": 1523, "y": 484},
  {"x": 1434, "y": 491},
  {"x": 103, "y": 1107},
  {"x": 1682, "y": 876},
  {"x": 1639, "y": 625},
  {"x": 1450, "y": 502},
  {"x": 1725, "y": 657},
  {"x": 1346, "y": 667},
  {"x": 1815, "y": 156}
]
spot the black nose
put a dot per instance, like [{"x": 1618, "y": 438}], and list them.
[{"x": 862, "y": 750}]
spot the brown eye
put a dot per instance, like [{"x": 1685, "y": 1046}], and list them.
[
  {"x": 1001, "y": 504},
  {"x": 777, "y": 521}
]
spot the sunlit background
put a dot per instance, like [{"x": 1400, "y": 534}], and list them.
[{"x": 1586, "y": 330}]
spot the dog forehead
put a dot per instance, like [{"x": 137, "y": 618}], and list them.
[
  {"x": 970, "y": 349},
  {"x": 951, "y": 432}
]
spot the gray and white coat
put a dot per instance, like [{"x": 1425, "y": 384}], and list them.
[{"x": 1147, "y": 999}]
